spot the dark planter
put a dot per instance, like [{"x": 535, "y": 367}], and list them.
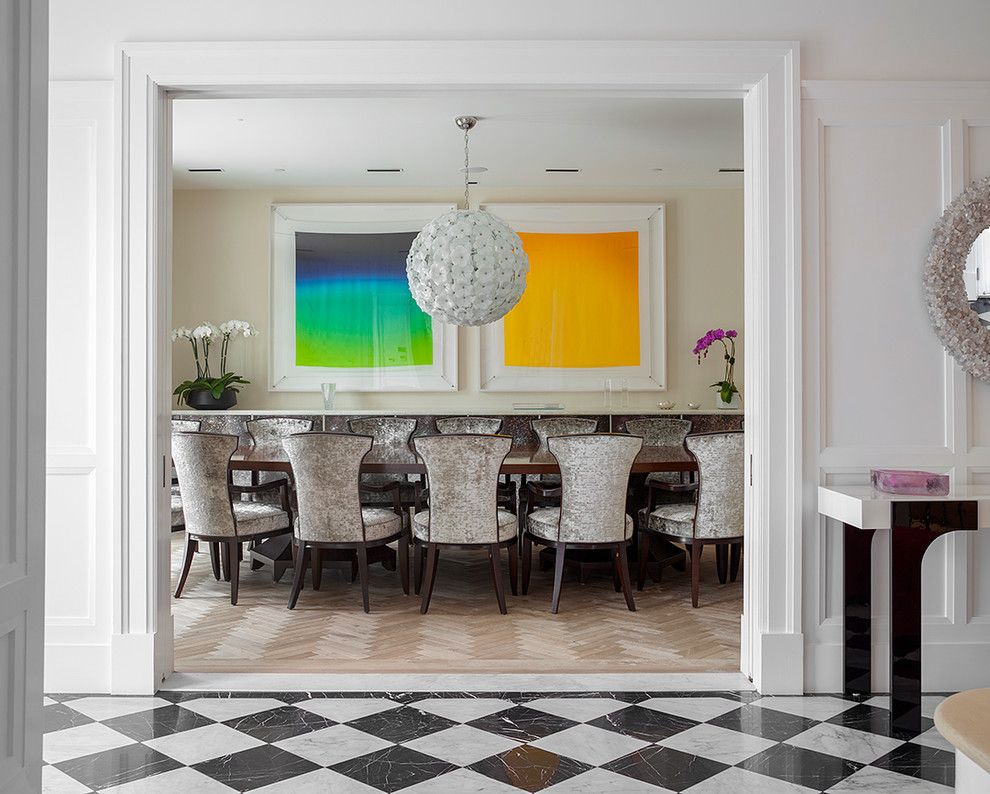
[{"x": 203, "y": 400}]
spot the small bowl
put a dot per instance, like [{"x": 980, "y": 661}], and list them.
[
  {"x": 666, "y": 405},
  {"x": 694, "y": 406}
]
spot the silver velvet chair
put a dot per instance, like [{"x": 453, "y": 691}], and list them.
[
  {"x": 545, "y": 491},
  {"x": 469, "y": 425},
  {"x": 716, "y": 515},
  {"x": 212, "y": 513},
  {"x": 327, "y": 470},
  {"x": 270, "y": 431},
  {"x": 462, "y": 473},
  {"x": 178, "y": 519},
  {"x": 594, "y": 474},
  {"x": 661, "y": 432},
  {"x": 388, "y": 433}
]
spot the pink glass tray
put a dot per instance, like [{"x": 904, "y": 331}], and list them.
[{"x": 910, "y": 483}]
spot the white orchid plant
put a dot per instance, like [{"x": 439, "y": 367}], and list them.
[{"x": 202, "y": 338}]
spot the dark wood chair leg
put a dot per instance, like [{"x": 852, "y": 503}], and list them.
[
  {"x": 735, "y": 553},
  {"x": 558, "y": 577},
  {"x": 362, "y": 558},
  {"x": 429, "y": 576},
  {"x": 514, "y": 568},
  {"x": 616, "y": 584},
  {"x": 256, "y": 564},
  {"x": 695, "y": 571},
  {"x": 722, "y": 562},
  {"x": 191, "y": 547},
  {"x": 235, "y": 570},
  {"x": 225, "y": 560},
  {"x": 404, "y": 563},
  {"x": 215, "y": 560},
  {"x": 418, "y": 554},
  {"x": 298, "y": 574},
  {"x": 643, "y": 552},
  {"x": 527, "y": 563},
  {"x": 317, "y": 562},
  {"x": 496, "y": 560},
  {"x": 622, "y": 564}
]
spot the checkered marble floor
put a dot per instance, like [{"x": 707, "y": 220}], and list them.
[{"x": 485, "y": 743}]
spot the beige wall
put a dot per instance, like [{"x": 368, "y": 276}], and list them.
[{"x": 221, "y": 271}]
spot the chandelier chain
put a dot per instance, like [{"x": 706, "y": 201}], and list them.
[{"x": 467, "y": 174}]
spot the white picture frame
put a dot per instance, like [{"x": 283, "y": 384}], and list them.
[
  {"x": 651, "y": 373},
  {"x": 284, "y": 374}
]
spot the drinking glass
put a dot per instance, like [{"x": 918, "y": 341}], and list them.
[{"x": 329, "y": 390}]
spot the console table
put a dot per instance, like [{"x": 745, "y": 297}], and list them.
[{"x": 914, "y": 523}]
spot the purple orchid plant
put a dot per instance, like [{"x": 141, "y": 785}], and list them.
[{"x": 726, "y": 386}]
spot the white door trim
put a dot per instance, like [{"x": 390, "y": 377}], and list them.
[{"x": 764, "y": 73}]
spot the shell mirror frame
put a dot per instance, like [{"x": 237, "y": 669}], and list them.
[{"x": 957, "y": 279}]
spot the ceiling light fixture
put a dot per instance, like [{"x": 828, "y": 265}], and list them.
[
  {"x": 467, "y": 267},
  {"x": 563, "y": 170},
  {"x": 730, "y": 170},
  {"x": 383, "y": 170},
  {"x": 205, "y": 170}
]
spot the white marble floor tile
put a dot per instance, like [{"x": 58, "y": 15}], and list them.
[
  {"x": 106, "y": 708},
  {"x": 599, "y": 781},
  {"x": 578, "y": 709},
  {"x": 929, "y": 703},
  {"x": 179, "y": 781},
  {"x": 332, "y": 745},
  {"x": 873, "y": 780},
  {"x": 82, "y": 740},
  {"x": 462, "y": 781},
  {"x": 55, "y": 781},
  {"x": 590, "y": 745},
  {"x": 698, "y": 709},
  {"x": 347, "y": 709},
  {"x": 932, "y": 738},
  {"x": 223, "y": 709},
  {"x": 845, "y": 742},
  {"x": 462, "y": 709},
  {"x": 718, "y": 744},
  {"x": 320, "y": 781},
  {"x": 202, "y": 744},
  {"x": 462, "y": 745},
  {"x": 741, "y": 781},
  {"x": 815, "y": 708}
]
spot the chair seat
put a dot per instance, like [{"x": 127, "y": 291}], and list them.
[
  {"x": 543, "y": 523},
  {"x": 178, "y": 520},
  {"x": 507, "y": 525},
  {"x": 379, "y": 523},
  {"x": 672, "y": 477},
  {"x": 674, "y": 519},
  {"x": 258, "y": 518}
]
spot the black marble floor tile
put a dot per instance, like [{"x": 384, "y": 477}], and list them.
[
  {"x": 641, "y": 723},
  {"x": 162, "y": 721},
  {"x": 663, "y": 766},
  {"x": 523, "y": 723},
  {"x": 251, "y": 769},
  {"x": 402, "y": 724},
  {"x": 116, "y": 767},
  {"x": 808, "y": 768},
  {"x": 927, "y": 763},
  {"x": 393, "y": 768},
  {"x": 278, "y": 724},
  {"x": 529, "y": 768},
  {"x": 764, "y": 722},
  {"x": 875, "y": 720},
  {"x": 58, "y": 717}
]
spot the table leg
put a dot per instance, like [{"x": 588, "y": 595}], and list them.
[{"x": 857, "y": 579}]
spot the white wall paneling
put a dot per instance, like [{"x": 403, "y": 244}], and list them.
[
  {"x": 880, "y": 161},
  {"x": 80, "y": 516}
]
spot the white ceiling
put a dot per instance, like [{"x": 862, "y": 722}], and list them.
[{"x": 332, "y": 141}]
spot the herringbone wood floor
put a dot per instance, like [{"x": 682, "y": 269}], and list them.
[{"x": 463, "y": 631}]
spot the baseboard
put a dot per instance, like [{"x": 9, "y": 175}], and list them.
[
  {"x": 133, "y": 668},
  {"x": 77, "y": 668},
  {"x": 780, "y": 667}
]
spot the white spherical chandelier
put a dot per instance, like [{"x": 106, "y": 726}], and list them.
[{"x": 467, "y": 267}]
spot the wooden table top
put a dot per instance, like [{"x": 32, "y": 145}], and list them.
[{"x": 402, "y": 460}]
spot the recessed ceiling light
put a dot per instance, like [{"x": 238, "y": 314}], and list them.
[
  {"x": 205, "y": 170},
  {"x": 384, "y": 170},
  {"x": 730, "y": 170},
  {"x": 563, "y": 170},
  {"x": 472, "y": 182}
]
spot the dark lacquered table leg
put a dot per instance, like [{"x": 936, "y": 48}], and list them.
[{"x": 857, "y": 581}]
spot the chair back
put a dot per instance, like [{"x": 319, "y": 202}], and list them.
[
  {"x": 385, "y": 430},
  {"x": 462, "y": 472},
  {"x": 327, "y": 468},
  {"x": 594, "y": 478},
  {"x": 720, "y": 484},
  {"x": 469, "y": 425},
  {"x": 660, "y": 432},
  {"x": 270, "y": 430},
  {"x": 186, "y": 425},
  {"x": 201, "y": 463},
  {"x": 561, "y": 426}
]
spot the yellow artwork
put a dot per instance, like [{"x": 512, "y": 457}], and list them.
[{"x": 581, "y": 304}]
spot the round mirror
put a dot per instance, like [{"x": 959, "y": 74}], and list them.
[{"x": 957, "y": 279}]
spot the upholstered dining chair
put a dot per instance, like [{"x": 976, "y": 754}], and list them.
[
  {"x": 270, "y": 431},
  {"x": 545, "y": 491},
  {"x": 462, "y": 475},
  {"x": 387, "y": 432},
  {"x": 661, "y": 432},
  {"x": 594, "y": 476},
  {"x": 180, "y": 426},
  {"x": 716, "y": 515},
  {"x": 469, "y": 425},
  {"x": 327, "y": 469},
  {"x": 212, "y": 513}
]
